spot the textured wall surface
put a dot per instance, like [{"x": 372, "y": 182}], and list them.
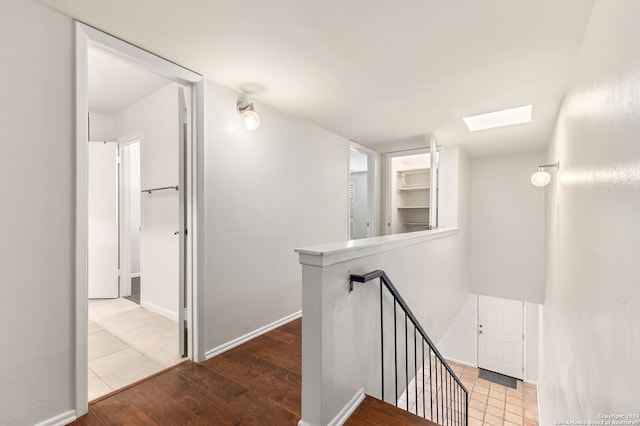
[{"x": 591, "y": 326}]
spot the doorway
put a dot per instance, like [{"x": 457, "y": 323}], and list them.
[
  {"x": 179, "y": 193},
  {"x": 411, "y": 191},
  {"x": 501, "y": 336},
  {"x": 362, "y": 192},
  {"x": 134, "y": 182}
]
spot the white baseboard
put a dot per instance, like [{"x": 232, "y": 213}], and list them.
[
  {"x": 459, "y": 361},
  {"x": 348, "y": 409},
  {"x": 160, "y": 311},
  {"x": 59, "y": 420},
  {"x": 252, "y": 335}
]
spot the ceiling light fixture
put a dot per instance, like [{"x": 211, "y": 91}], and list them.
[
  {"x": 541, "y": 177},
  {"x": 506, "y": 117},
  {"x": 250, "y": 118}
]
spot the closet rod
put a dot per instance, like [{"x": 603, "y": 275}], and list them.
[{"x": 160, "y": 189}]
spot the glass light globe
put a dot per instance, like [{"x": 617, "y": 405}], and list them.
[
  {"x": 540, "y": 178},
  {"x": 250, "y": 119}
]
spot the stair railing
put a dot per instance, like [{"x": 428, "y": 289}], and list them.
[{"x": 434, "y": 391}]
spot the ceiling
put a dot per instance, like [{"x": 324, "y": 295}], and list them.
[
  {"x": 384, "y": 74},
  {"x": 114, "y": 84}
]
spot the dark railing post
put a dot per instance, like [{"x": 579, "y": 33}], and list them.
[
  {"x": 415, "y": 367},
  {"x": 423, "y": 401},
  {"x": 395, "y": 349},
  {"x": 406, "y": 359},
  {"x": 381, "y": 342},
  {"x": 430, "y": 384}
]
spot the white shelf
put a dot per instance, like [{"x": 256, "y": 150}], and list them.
[
  {"x": 414, "y": 188},
  {"x": 413, "y": 171},
  {"x": 416, "y": 224}
]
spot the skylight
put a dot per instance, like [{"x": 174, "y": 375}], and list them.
[{"x": 506, "y": 117}]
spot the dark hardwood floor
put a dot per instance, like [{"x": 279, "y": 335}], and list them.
[
  {"x": 258, "y": 383},
  {"x": 373, "y": 412}
]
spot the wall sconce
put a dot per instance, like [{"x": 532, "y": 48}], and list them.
[
  {"x": 541, "y": 177},
  {"x": 250, "y": 118}
]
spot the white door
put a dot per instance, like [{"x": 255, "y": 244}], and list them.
[
  {"x": 500, "y": 335},
  {"x": 103, "y": 220},
  {"x": 182, "y": 232}
]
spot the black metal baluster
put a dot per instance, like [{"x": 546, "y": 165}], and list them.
[
  {"x": 430, "y": 384},
  {"x": 447, "y": 415},
  {"x": 442, "y": 391},
  {"x": 458, "y": 404},
  {"x": 415, "y": 362},
  {"x": 395, "y": 348},
  {"x": 450, "y": 399},
  {"x": 423, "y": 408},
  {"x": 437, "y": 389},
  {"x": 381, "y": 341},
  {"x": 466, "y": 408},
  {"x": 450, "y": 404},
  {"x": 406, "y": 359}
]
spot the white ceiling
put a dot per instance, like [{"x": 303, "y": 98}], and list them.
[
  {"x": 382, "y": 73},
  {"x": 114, "y": 84}
]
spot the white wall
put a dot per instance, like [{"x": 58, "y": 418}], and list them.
[
  {"x": 591, "y": 361},
  {"x": 507, "y": 227},
  {"x": 101, "y": 128},
  {"x": 36, "y": 220},
  {"x": 532, "y": 317},
  {"x": 460, "y": 341},
  {"x": 267, "y": 192},
  {"x": 155, "y": 120}
]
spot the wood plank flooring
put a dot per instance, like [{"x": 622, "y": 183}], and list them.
[
  {"x": 373, "y": 412},
  {"x": 258, "y": 383}
]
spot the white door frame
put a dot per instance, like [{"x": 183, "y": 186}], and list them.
[
  {"x": 371, "y": 185},
  {"x": 87, "y": 36}
]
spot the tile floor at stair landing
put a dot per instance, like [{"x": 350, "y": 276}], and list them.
[
  {"x": 127, "y": 343},
  {"x": 497, "y": 405}
]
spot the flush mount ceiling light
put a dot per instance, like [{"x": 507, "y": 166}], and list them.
[
  {"x": 506, "y": 117},
  {"x": 541, "y": 177},
  {"x": 250, "y": 118}
]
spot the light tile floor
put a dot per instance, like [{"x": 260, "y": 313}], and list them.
[
  {"x": 497, "y": 405},
  {"x": 127, "y": 343},
  {"x": 489, "y": 403}
]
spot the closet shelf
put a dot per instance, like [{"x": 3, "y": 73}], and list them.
[
  {"x": 414, "y": 188},
  {"x": 412, "y": 207},
  {"x": 416, "y": 223},
  {"x": 413, "y": 171}
]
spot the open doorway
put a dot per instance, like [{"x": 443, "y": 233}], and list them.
[
  {"x": 147, "y": 117},
  {"x": 134, "y": 254},
  {"x": 362, "y": 192}
]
